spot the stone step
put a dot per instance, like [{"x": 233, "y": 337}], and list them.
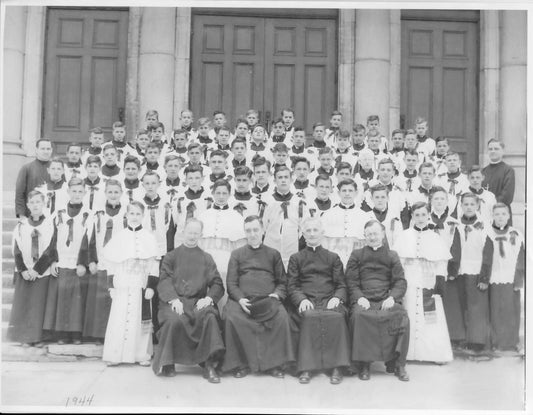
[
  {"x": 7, "y": 280},
  {"x": 8, "y": 224},
  {"x": 8, "y": 265},
  {"x": 6, "y": 251},
  {"x": 7, "y": 295},
  {"x": 85, "y": 350},
  {"x": 6, "y": 312},
  {"x": 6, "y": 237},
  {"x": 8, "y": 211},
  {"x": 14, "y": 352},
  {"x": 4, "y": 331}
]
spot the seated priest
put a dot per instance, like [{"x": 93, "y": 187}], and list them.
[
  {"x": 317, "y": 290},
  {"x": 379, "y": 323},
  {"x": 189, "y": 289},
  {"x": 256, "y": 325}
]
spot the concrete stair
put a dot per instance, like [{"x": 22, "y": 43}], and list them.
[{"x": 9, "y": 221}]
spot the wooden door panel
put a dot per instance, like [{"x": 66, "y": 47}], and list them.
[
  {"x": 85, "y": 73},
  {"x": 439, "y": 79}
]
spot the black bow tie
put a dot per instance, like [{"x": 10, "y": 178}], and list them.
[
  {"x": 346, "y": 207},
  {"x": 217, "y": 207},
  {"x": 138, "y": 228}
]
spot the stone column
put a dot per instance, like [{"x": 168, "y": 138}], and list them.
[
  {"x": 182, "y": 62},
  {"x": 14, "y": 51},
  {"x": 513, "y": 93},
  {"x": 395, "y": 70},
  {"x": 372, "y": 66},
  {"x": 489, "y": 80},
  {"x": 346, "y": 66},
  {"x": 133, "y": 119},
  {"x": 156, "y": 63}
]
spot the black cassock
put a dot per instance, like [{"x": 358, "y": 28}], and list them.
[
  {"x": 321, "y": 335},
  {"x": 189, "y": 274},
  {"x": 259, "y": 346},
  {"x": 377, "y": 335}
]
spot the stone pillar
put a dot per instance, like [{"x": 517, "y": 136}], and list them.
[
  {"x": 489, "y": 80},
  {"x": 133, "y": 119},
  {"x": 14, "y": 51},
  {"x": 346, "y": 66},
  {"x": 372, "y": 65},
  {"x": 513, "y": 94},
  {"x": 182, "y": 62},
  {"x": 156, "y": 63},
  {"x": 395, "y": 70}
]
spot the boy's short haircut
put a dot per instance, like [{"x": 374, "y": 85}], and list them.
[
  {"x": 73, "y": 145},
  {"x": 299, "y": 159},
  {"x": 469, "y": 195},
  {"x": 172, "y": 157},
  {"x": 42, "y": 140},
  {"x": 221, "y": 183},
  {"x": 366, "y": 152},
  {"x": 343, "y": 165},
  {"x": 498, "y": 205},
  {"x": 93, "y": 160},
  {"x": 252, "y": 111},
  {"x": 193, "y": 168},
  {"x": 347, "y": 182},
  {"x": 137, "y": 204},
  {"x": 282, "y": 168},
  {"x": 299, "y": 128},
  {"x": 108, "y": 146},
  {"x": 277, "y": 121},
  {"x": 118, "y": 124},
  {"x": 243, "y": 171},
  {"x": 261, "y": 161},
  {"x": 186, "y": 110},
  {"x": 96, "y": 130},
  {"x": 411, "y": 153},
  {"x": 238, "y": 140},
  {"x": 151, "y": 146},
  {"x": 343, "y": 134},
  {"x": 142, "y": 132},
  {"x": 179, "y": 131},
  {"x": 398, "y": 131},
  {"x": 220, "y": 153},
  {"x": 151, "y": 173},
  {"x": 287, "y": 110},
  {"x": 256, "y": 126},
  {"x": 34, "y": 193},
  {"x": 318, "y": 124},
  {"x": 192, "y": 146},
  {"x": 336, "y": 112},
  {"x": 132, "y": 159},
  {"x": 217, "y": 112},
  {"x": 203, "y": 121},
  {"x": 420, "y": 120},
  {"x": 372, "y": 134},
  {"x": 474, "y": 169},
  {"x": 359, "y": 127},
  {"x": 323, "y": 178},
  {"x": 253, "y": 218},
  {"x": 58, "y": 161},
  {"x": 453, "y": 153},
  {"x": 240, "y": 121},
  {"x": 420, "y": 205},
  {"x": 426, "y": 164},
  {"x": 372, "y": 118},
  {"x": 378, "y": 188},
  {"x": 325, "y": 150},
  {"x": 152, "y": 112},
  {"x": 437, "y": 189},
  {"x": 76, "y": 181},
  {"x": 495, "y": 140},
  {"x": 154, "y": 126},
  {"x": 441, "y": 138},
  {"x": 280, "y": 148},
  {"x": 224, "y": 128},
  {"x": 410, "y": 131},
  {"x": 385, "y": 161},
  {"x": 113, "y": 182}
]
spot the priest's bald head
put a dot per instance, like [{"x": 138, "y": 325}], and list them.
[{"x": 374, "y": 233}]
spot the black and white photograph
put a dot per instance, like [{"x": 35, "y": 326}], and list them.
[{"x": 264, "y": 207}]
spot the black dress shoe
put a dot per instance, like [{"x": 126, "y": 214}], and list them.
[
  {"x": 305, "y": 377},
  {"x": 336, "y": 376},
  {"x": 211, "y": 375},
  {"x": 390, "y": 366},
  {"x": 364, "y": 371},
  {"x": 168, "y": 371},
  {"x": 240, "y": 373},
  {"x": 277, "y": 373},
  {"x": 402, "y": 374}
]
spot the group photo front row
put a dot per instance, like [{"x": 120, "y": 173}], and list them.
[{"x": 246, "y": 253}]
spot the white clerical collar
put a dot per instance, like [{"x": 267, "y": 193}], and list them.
[
  {"x": 314, "y": 248},
  {"x": 375, "y": 248},
  {"x": 255, "y": 246}
]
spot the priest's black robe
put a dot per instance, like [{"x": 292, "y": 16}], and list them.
[
  {"x": 381, "y": 335},
  {"x": 31, "y": 175},
  {"x": 317, "y": 275},
  {"x": 189, "y": 274},
  {"x": 251, "y": 344}
]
